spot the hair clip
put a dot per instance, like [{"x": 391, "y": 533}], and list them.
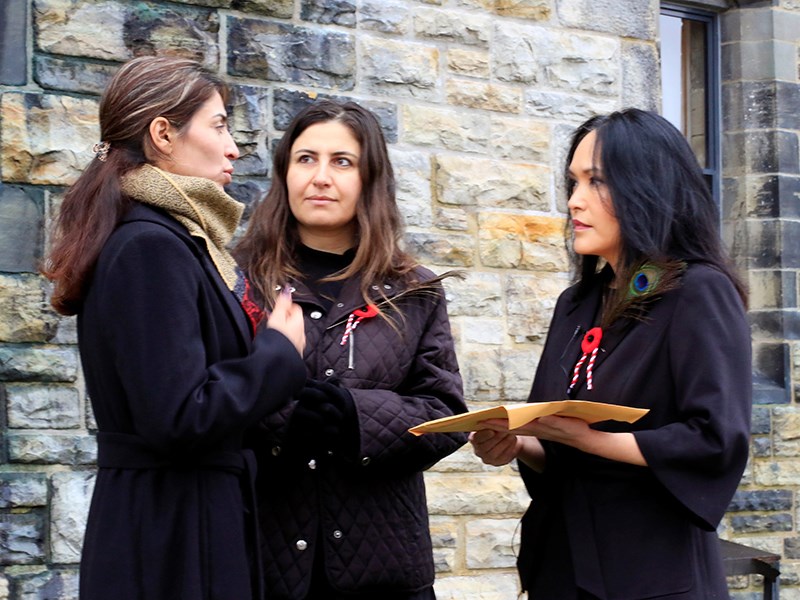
[{"x": 100, "y": 150}]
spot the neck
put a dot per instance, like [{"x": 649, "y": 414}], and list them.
[{"x": 335, "y": 242}]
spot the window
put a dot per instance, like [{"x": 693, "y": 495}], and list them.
[{"x": 690, "y": 83}]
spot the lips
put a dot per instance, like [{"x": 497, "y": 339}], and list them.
[{"x": 579, "y": 225}]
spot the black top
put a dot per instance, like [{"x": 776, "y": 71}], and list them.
[{"x": 316, "y": 265}]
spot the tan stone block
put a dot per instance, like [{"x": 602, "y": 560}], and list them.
[
  {"x": 530, "y": 304},
  {"x": 70, "y": 27},
  {"x": 449, "y": 129},
  {"x": 486, "y": 96},
  {"x": 520, "y": 139},
  {"x": 481, "y": 372},
  {"x": 490, "y": 586},
  {"x": 477, "y": 294},
  {"x": 497, "y": 184},
  {"x": 446, "y": 25},
  {"x": 493, "y": 543},
  {"x": 786, "y": 423},
  {"x": 474, "y": 63},
  {"x": 446, "y": 250},
  {"x": 771, "y": 473},
  {"x": 476, "y": 494},
  {"x": 462, "y": 460},
  {"x": 25, "y": 314},
  {"x": 524, "y": 241},
  {"x": 519, "y": 367},
  {"x": 536, "y": 10},
  {"x": 46, "y": 139}
]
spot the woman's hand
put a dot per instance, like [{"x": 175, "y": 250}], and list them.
[
  {"x": 496, "y": 448},
  {"x": 287, "y": 317}
]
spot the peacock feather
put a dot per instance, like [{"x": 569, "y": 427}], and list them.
[{"x": 648, "y": 282}]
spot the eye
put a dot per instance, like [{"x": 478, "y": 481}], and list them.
[{"x": 342, "y": 161}]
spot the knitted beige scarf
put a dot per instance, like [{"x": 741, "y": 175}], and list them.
[{"x": 196, "y": 203}]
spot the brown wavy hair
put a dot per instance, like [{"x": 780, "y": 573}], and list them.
[
  {"x": 141, "y": 90},
  {"x": 267, "y": 249}
]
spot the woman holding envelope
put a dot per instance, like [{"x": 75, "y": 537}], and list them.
[
  {"x": 656, "y": 320},
  {"x": 341, "y": 491}
]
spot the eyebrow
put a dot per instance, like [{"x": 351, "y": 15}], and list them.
[
  {"x": 336, "y": 153},
  {"x": 222, "y": 116},
  {"x": 590, "y": 171}
]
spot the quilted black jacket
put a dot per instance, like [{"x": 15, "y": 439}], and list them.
[{"x": 365, "y": 515}]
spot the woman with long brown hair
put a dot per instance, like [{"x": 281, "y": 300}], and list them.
[
  {"x": 174, "y": 368},
  {"x": 341, "y": 492}
]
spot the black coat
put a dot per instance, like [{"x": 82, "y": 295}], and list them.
[
  {"x": 365, "y": 514},
  {"x": 624, "y": 532},
  {"x": 174, "y": 378}
]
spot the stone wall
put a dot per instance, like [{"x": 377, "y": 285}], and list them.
[{"x": 477, "y": 99}]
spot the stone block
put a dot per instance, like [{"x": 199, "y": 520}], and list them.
[
  {"x": 481, "y": 370},
  {"x": 38, "y": 363},
  {"x": 477, "y": 294},
  {"x": 573, "y": 108},
  {"x": 625, "y": 18},
  {"x": 281, "y": 9},
  {"x": 276, "y": 51},
  {"x": 453, "y": 250},
  {"x": 791, "y": 548},
  {"x": 119, "y": 31},
  {"x": 412, "y": 171},
  {"x": 470, "y": 29},
  {"x": 496, "y": 184},
  {"x": 14, "y": 33},
  {"x": 385, "y": 16},
  {"x": 492, "y": 586},
  {"x": 520, "y": 140},
  {"x": 487, "y": 332},
  {"x": 530, "y": 301},
  {"x": 52, "y": 448},
  {"x": 21, "y": 236},
  {"x": 22, "y": 537},
  {"x": 762, "y": 523},
  {"x": 534, "y": 10},
  {"x": 72, "y": 494},
  {"x": 448, "y": 129},
  {"x": 461, "y": 461},
  {"x": 522, "y": 241},
  {"x": 761, "y": 422},
  {"x": 492, "y": 543},
  {"x": 641, "y": 71},
  {"x": 477, "y": 494},
  {"x": 71, "y": 75},
  {"x": 33, "y": 406},
  {"x": 565, "y": 61},
  {"x": 248, "y": 108},
  {"x": 518, "y": 368},
  {"x": 23, "y": 490},
  {"x": 777, "y": 472},
  {"x": 25, "y": 309},
  {"x": 399, "y": 69},
  {"x": 329, "y": 12},
  {"x": 452, "y": 219},
  {"x": 46, "y": 139},
  {"x": 469, "y": 62},
  {"x": 761, "y": 500},
  {"x": 55, "y": 584},
  {"x": 761, "y": 446},
  {"x": 484, "y": 96}
]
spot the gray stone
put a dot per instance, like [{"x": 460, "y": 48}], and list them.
[
  {"x": 281, "y": 9},
  {"x": 32, "y": 406},
  {"x": 25, "y": 309},
  {"x": 38, "y": 363},
  {"x": 329, "y": 12},
  {"x": 477, "y": 294},
  {"x": 385, "y": 16},
  {"x": 22, "y": 536},
  {"x": 23, "y": 490},
  {"x": 625, "y": 18},
  {"x": 283, "y": 52},
  {"x": 72, "y": 494},
  {"x": 14, "y": 35},
  {"x": 71, "y": 75},
  {"x": 399, "y": 69},
  {"x": 248, "y": 124},
  {"x": 448, "y": 250},
  {"x": 21, "y": 229},
  {"x": 52, "y": 448},
  {"x": 412, "y": 172},
  {"x": 56, "y": 584}
]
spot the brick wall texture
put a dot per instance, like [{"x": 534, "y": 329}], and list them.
[{"x": 477, "y": 99}]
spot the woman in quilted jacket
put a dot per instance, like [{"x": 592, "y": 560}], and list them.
[{"x": 340, "y": 490}]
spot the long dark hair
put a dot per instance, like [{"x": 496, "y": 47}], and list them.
[
  {"x": 663, "y": 205},
  {"x": 141, "y": 90},
  {"x": 267, "y": 250}
]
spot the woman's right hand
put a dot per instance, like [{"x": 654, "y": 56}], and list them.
[
  {"x": 496, "y": 448},
  {"x": 287, "y": 317}
]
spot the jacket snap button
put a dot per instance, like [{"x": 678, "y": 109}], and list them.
[
  {"x": 301, "y": 545},
  {"x": 365, "y": 461},
  {"x": 340, "y": 304},
  {"x": 329, "y": 372},
  {"x": 315, "y": 314},
  {"x": 386, "y": 286},
  {"x": 337, "y": 534},
  {"x": 276, "y": 450},
  {"x": 312, "y": 464}
]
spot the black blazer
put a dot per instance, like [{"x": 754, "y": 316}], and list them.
[
  {"x": 624, "y": 532},
  {"x": 174, "y": 378}
]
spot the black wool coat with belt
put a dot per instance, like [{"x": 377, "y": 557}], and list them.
[
  {"x": 624, "y": 532},
  {"x": 365, "y": 515},
  {"x": 175, "y": 377}
]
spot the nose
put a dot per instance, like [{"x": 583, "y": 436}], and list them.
[
  {"x": 575, "y": 200},
  {"x": 322, "y": 177},
  {"x": 231, "y": 149}
]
